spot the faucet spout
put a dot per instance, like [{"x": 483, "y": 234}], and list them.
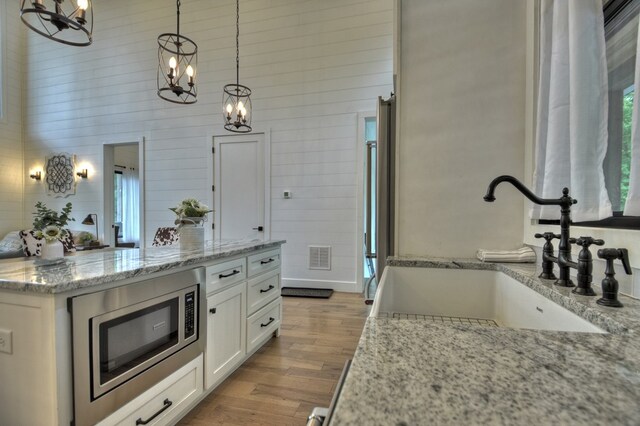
[{"x": 565, "y": 201}]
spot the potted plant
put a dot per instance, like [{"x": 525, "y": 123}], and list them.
[
  {"x": 49, "y": 225},
  {"x": 191, "y": 217}
]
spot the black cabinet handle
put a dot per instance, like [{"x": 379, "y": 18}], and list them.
[
  {"x": 212, "y": 310},
  {"x": 271, "y": 319},
  {"x": 235, "y": 271},
  {"x": 264, "y": 262},
  {"x": 269, "y": 289},
  {"x": 166, "y": 405}
]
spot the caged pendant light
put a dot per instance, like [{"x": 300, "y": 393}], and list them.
[
  {"x": 65, "y": 21},
  {"x": 236, "y": 98},
  {"x": 177, "y": 63}
]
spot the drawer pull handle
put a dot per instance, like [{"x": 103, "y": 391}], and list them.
[
  {"x": 235, "y": 272},
  {"x": 264, "y": 262},
  {"x": 271, "y": 319},
  {"x": 269, "y": 289},
  {"x": 166, "y": 405}
]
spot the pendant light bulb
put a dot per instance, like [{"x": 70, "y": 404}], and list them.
[
  {"x": 173, "y": 63},
  {"x": 83, "y": 4},
  {"x": 229, "y": 109},
  {"x": 240, "y": 106},
  {"x": 190, "y": 71}
]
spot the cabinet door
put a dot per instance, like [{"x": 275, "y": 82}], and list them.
[{"x": 226, "y": 341}]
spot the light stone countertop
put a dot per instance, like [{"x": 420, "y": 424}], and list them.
[
  {"x": 96, "y": 267},
  {"x": 413, "y": 372}
]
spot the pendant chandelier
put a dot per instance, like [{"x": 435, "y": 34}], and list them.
[
  {"x": 177, "y": 63},
  {"x": 65, "y": 21},
  {"x": 236, "y": 99}
]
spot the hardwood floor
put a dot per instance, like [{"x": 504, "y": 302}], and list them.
[{"x": 282, "y": 382}]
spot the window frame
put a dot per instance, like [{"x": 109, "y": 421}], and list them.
[
  {"x": 612, "y": 9},
  {"x": 3, "y": 62}
]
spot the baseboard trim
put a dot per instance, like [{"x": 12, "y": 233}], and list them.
[{"x": 342, "y": 286}]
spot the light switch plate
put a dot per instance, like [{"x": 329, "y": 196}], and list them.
[{"x": 5, "y": 341}]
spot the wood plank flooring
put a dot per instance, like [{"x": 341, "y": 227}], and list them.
[{"x": 282, "y": 382}]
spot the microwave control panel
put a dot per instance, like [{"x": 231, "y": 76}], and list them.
[{"x": 189, "y": 314}]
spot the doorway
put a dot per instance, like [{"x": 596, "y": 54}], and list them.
[
  {"x": 123, "y": 194},
  {"x": 240, "y": 187}
]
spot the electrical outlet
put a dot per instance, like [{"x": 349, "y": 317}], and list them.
[{"x": 5, "y": 341}]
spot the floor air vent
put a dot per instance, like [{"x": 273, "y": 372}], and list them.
[{"x": 320, "y": 257}]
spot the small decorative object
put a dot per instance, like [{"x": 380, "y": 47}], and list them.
[
  {"x": 191, "y": 217},
  {"x": 60, "y": 175},
  {"x": 48, "y": 224},
  {"x": 68, "y": 22},
  {"x": 236, "y": 98},
  {"x": 177, "y": 63},
  {"x": 52, "y": 248},
  {"x": 89, "y": 221}
]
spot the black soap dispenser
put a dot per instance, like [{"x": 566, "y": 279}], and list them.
[{"x": 609, "y": 283}]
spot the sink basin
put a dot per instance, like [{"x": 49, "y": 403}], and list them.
[{"x": 471, "y": 294}]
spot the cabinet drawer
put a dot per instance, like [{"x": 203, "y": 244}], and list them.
[
  {"x": 263, "y": 323},
  {"x": 262, "y": 262},
  {"x": 262, "y": 290},
  {"x": 226, "y": 273},
  {"x": 161, "y": 404}
]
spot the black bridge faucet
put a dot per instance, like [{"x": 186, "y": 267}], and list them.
[{"x": 564, "y": 248}]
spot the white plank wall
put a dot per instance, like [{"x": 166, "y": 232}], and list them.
[
  {"x": 11, "y": 149},
  {"x": 312, "y": 66}
]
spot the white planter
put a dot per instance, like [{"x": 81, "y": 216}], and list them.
[
  {"x": 192, "y": 234},
  {"x": 52, "y": 250}
]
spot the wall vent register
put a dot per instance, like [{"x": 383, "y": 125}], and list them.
[{"x": 320, "y": 257}]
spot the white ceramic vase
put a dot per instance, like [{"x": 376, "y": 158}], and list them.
[
  {"x": 52, "y": 250},
  {"x": 192, "y": 233}
]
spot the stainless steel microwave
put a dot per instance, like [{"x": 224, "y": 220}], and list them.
[{"x": 128, "y": 338}]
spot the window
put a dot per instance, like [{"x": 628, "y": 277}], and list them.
[
  {"x": 117, "y": 201},
  {"x": 621, "y": 35}
]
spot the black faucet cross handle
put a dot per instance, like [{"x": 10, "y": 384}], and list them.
[
  {"x": 586, "y": 241},
  {"x": 611, "y": 254},
  {"x": 548, "y": 236}
]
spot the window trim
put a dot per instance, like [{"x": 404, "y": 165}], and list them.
[{"x": 3, "y": 62}]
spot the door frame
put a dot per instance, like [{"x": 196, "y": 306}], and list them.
[
  {"x": 212, "y": 234},
  {"x": 360, "y": 149},
  {"x": 107, "y": 186}
]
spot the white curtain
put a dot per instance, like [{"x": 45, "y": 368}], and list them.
[
  {"x": 632, "y": 206},
  {"x": 572, "y": 109},
  {"x": 130, "y": 206}
]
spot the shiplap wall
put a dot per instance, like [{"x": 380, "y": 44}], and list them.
[
  {"x": 312, "y": 66},
  {"x": 11, "y": 164}
]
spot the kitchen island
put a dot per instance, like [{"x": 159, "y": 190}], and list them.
[
  {"x": 413, "y": 372},
  {"x": 236, "y": 286}
]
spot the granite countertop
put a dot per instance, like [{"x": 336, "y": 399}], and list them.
[
  {"x": 413, "y": 372},
  {"x": 95, "y": 267}
]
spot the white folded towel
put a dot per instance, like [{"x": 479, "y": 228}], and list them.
[{"x": 521, "y": 255}]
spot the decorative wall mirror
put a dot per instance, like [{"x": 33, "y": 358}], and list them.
[{"x": 60, "y": 177}]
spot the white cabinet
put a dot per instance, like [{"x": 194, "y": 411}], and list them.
[
  {"x": 262, "y": 262},
  {"x": 226, "y": 317},
  {"x": 164, "y": 402},
  {"x": 262, "y": 290},
  {"x": 262, "y": 324}
]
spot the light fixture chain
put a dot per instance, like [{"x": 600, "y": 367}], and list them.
[{"x": 238, "y": 42}]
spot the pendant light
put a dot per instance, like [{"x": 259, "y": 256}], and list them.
[
  {"x": 65, "y": 21},
  {"x": 236, "y": 99},
  {"x": 177, "y": 63}
]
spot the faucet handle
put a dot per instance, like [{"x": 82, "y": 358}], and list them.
[
  {"x": 548, "y": 236},
  {"x": 586, "y": 241},
  {"x": 612, "y": 254}
]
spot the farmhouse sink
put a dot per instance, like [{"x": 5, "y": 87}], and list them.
[{"x": 460, "y": 295}]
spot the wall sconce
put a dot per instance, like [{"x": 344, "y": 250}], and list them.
[
  {"x": 83, "y": 174},
  {"x": 37, "y": 175}
]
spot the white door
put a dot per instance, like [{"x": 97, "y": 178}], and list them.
[{"x": 239, "y": 187}]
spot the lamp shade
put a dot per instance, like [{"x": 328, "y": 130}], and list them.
[{"x": 89, "y": 219}]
